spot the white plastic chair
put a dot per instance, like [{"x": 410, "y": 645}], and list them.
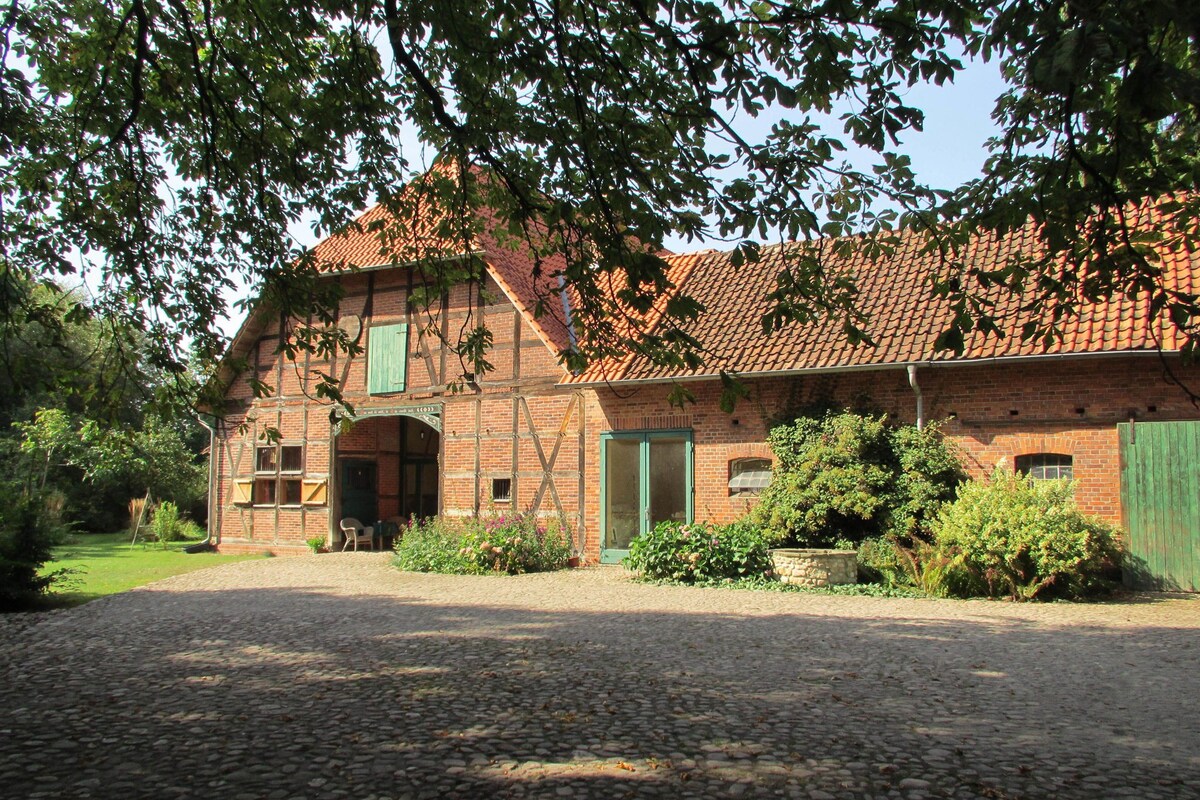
[{"x": 354, "y": 532}]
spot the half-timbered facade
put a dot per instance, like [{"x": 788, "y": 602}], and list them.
[
  {"x": 425, "y": 436},
  {"x": 606, "y": 453}
]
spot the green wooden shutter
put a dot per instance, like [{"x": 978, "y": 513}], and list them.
[{"x": 387, "y": 358}]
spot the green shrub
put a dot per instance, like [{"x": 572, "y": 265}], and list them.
[
  {"x": 700, "y": 553},
  {"x": 1020, "y": 538},
  {"x": 168, "y": 525},
  {"x": 165, "y": 523},
  {"x": 315, "y": 543},
  {"x": 435, "y": 545},
  {"x": 511, "y": 543},
  {"x": 881, "y": 561},
  {"x": 189, "y": 531},
  {"x": 847, "y": 476},
  {"x": 928, "y": 476},
  {"x": 516, "y": 543},
  {"x": 28, "y": 530}
]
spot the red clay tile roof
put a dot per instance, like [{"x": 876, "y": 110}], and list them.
[{"x": 904, "y": 318}]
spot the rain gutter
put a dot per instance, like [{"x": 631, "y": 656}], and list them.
[{"x": 783, "y": 373}]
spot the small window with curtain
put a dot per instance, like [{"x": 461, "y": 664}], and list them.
[
  {"x": 749, "y": 476},
  {"x": 1045, "y": 466}
]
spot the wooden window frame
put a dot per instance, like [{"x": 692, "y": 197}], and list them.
[{"x": 279, "y": 478}]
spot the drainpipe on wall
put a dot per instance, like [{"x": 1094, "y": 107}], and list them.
[
  {"x": 206, "y": 544},
  {"x": 916, "y": 387}
]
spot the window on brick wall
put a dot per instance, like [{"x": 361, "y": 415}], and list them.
[
  {"x": 1045, "y": 466},
  {"x": 749, "y": 476},
  {"x": 502, "y": 490},
  {"x": 278, "y": 474}
]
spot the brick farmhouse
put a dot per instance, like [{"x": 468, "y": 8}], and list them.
[{"x": 605, "y": 451}]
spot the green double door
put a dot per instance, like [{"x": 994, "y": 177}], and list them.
[{"x": 645, "y": 479}]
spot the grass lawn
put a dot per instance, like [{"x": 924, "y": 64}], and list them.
[{"x": 108, "y": 565}]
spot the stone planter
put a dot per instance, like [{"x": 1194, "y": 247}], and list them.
[{"x": 815, "y": 567}]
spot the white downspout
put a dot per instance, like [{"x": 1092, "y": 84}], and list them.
[
  {"x": 213, "y": 490},
  {"x": 916, "y": 387}
]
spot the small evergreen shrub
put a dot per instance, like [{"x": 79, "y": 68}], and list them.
[
  {"x": 700, "y": 553},
  {"x": 1024, "y": 539},
  {"x": 846, "y": 476},
  {"x": 517, "y": 543},
  {"x": 315, "y": 543},
  {"x": 189, "y": 531},
  {"x": 881, "y": 561}
]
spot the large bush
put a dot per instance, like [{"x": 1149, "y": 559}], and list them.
[
  {"x": 512, "y": 543},
  {"x": 845, "y": 477},
  {"x": 1024, "y": 539},
  {"x": 699, "y": 553}
]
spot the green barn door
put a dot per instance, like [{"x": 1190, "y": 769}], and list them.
[
  {"x": 1160, "y": 496},
  {"x": 645, "y": 479}
]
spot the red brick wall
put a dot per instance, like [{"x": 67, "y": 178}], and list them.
[
  {"x": 1061, "y": 406},
  {"x": 517, "y": 424}
]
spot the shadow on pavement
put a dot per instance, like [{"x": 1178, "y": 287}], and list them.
[{"x": 301, "y": 693}]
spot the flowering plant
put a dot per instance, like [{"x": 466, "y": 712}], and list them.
[
  {"x": 700, "y": 553},
  {"x": 516, "y": 543}
]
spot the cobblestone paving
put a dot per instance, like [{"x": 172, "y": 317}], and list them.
[{"x": 338, "y": 677}]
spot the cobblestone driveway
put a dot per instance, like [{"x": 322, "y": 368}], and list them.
[{"x": 337, "y": 676}]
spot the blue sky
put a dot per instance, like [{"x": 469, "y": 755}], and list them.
[
  {"x": 948, "y": 152},
  {"x": 958, "y": 121}
]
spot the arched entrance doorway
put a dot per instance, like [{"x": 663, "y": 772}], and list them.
[{"x": 388, "y": 470}]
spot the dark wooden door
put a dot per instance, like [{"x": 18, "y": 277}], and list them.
[{"x": 360, "y": 494}]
